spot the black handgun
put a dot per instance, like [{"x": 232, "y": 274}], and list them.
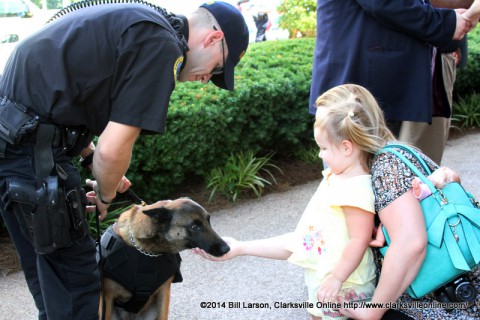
[{"x": 26, "y": 192}]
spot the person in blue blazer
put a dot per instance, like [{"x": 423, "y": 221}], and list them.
[{"x": 385, "y": 46}]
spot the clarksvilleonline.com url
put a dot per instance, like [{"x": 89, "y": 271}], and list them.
[{"x": 402, "y": 305}]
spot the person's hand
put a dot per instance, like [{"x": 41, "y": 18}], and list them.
[
  {"x": 232, "y": 243},
  {"x": 469, "y": 16},
  {"x": 329, "y": 289},
  {"x": 443, "y": 176},
  {"x": 378, "y": 237},
  {"x": 123, "y": 185},
  {"x": 463, "y": 26},
  {"x": 98, "y": 205},
  {"x": 92, "y": 198},
  {"x": 457, "y": 55}
]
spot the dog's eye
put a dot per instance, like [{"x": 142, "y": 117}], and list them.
[{"x": 195, "y": 227}]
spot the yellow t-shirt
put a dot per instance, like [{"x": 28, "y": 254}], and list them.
[{"x": 322, "y": 234}]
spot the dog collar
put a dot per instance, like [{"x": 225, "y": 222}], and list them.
[{"x": 135, "y": 244}]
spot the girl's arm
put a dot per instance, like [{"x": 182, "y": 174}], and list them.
[
  {"x": 270, "y": 248},
  {"x": 359, "y": 225},
  {"x": 403, "y": 219}
]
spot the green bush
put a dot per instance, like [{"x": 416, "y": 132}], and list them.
[
  {"x": 242, "y": 172},
  {"x": 468, "y": 81},
  {"x": 308, "y": 153},
  {"x": 466, "y": 112}
]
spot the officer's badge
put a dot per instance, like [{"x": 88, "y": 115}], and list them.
[{"x": 177, "y": 67}]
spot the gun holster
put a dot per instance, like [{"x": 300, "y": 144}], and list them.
[{"x": 50, "y": 217}]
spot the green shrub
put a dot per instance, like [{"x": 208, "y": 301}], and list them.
[
  {"x": 468, "y": 81},
  {"x": 466, "y": 112},
  {"x": 307, "y": 153},
  {"x": 242, "y": 172}
]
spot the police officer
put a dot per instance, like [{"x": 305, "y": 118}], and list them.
[{"x": 104, "y": 70}]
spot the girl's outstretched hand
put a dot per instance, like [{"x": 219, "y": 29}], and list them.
[{"x": 234, "y": 251}]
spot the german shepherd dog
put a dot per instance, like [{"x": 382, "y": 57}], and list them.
[{"x": 157, "y": 231}]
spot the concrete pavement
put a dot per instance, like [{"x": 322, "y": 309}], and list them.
[{"x": 224, "y": 290}]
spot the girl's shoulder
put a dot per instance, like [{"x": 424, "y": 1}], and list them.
[{"x": 353, "y": 191}]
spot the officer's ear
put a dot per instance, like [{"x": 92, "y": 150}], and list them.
[{"x": 213, "y": 37}]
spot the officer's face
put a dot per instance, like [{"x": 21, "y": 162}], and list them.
[{"x": 205, "y": 60}]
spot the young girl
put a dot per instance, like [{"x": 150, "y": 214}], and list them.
[{"x": 332, "y": 239}]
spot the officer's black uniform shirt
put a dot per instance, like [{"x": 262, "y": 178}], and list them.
[{"x": 115, "y": 62}]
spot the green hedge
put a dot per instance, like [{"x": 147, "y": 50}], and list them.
[
  {"x": 468, "y": 80},
  {"x": 268, "y": 111}
]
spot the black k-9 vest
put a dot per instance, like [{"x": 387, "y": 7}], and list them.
[{"x": 140, "y": 274}]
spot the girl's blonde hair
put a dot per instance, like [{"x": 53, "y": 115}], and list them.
[{"x": 350, "y": 112}]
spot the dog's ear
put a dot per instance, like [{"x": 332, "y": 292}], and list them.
[{"x": 162, "y": 214}]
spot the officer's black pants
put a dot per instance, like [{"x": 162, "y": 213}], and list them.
[{"x": 64, "y": 284}]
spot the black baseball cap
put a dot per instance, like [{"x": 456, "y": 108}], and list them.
[{"x": 236, "y": 33}]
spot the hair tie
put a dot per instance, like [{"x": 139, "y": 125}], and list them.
[{"x": 351, "y": 114}]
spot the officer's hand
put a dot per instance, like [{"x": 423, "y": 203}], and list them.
[
  {"x": 98, "y": 205},
  {"x": 123, "y": 185},
  {"x": 92, "y": 198}
]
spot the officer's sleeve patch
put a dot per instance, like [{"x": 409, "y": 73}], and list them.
[{"x": 177, "y": 67}]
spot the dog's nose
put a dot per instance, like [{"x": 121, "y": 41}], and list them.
[
  {"x": 219, "y": 249},
  {"x": 224, "y": 248}
]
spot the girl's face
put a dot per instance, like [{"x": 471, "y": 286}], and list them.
[{"x": 332, "y": 154}]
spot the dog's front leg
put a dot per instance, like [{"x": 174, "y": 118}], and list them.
[
  {"x": 106, "y": 299},
  {"x": 163, "y": 299}
]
